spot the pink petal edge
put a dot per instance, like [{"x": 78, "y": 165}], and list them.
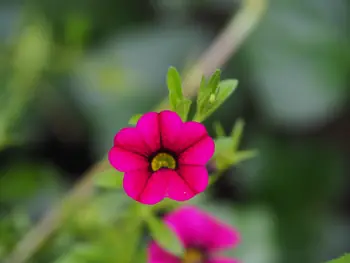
[
  {"x": 196, "y": 227},
  {"x": 134, "y": 182},
  {"x": 195, "y": 176},
  {"x": 125, "y": 161},
  {"x": 131, "y": 140},
  {"x": 198, "y": 154},
  {"x": 170, "y": 127},
  {"x": 188, "y": 134},
  {"x": 156, "y": 188},
  {"x": 223, "y": 260},
  {"x": 179, "y": 190},
  {"x": 148, "y": 127},
  {"x": 158, "y": 255}
]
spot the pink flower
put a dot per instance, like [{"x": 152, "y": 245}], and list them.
[
  {"x": 162, "y": 157},
  {"x": 202, "y": 236}
]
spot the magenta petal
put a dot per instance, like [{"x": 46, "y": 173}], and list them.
[
  {"x": 178, "y": 189},
  {"x": 190, "y": 133},
  {"x": 131, "y": 140},
  {"x": 148, "y": 127},
  {"x": 195, "y": 227},
  {"x": 159, "y": 255},
  {"x": 198, "y": 154},
  {"x": 126, "y": 161},
  {"x": 134, "y": 183},
  {"x": 195, "y": 176},
  {"x": 171, "y": 125},
  {"x": 223, "y": 260},
  {"x": 156, "y": 188}
]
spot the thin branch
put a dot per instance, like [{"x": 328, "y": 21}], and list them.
[{"x": 229, "y": 40}]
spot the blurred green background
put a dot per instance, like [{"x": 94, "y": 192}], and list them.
[{"x": 72, "y": 73}]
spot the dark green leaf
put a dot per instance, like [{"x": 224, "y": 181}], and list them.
[
  {"x": 110, "y": 178},
  {"x": 164, "y": 236},
  {"x": 134, "y": 119}
]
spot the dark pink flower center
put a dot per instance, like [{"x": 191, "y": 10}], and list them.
[
  {"x": 163, "y": 160},
  {"x": 194, "y": 255}
]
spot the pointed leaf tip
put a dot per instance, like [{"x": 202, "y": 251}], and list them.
[
  {"x": 164, "y": 236},
  {"x": 174, "y": 87},
  {"x": 134, "y": 119}
]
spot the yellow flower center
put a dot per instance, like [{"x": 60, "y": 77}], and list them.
[
  {"x": 163, "y": 160},
  {"x": 193, "y": 255}
]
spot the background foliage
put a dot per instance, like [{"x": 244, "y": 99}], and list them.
[{"x": 72, "y": 73}]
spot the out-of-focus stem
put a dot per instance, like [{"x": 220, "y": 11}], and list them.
[{"x": 228, "y": 41}]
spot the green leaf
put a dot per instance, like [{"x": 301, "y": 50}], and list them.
[
  {"x": 164, "y": 236},
  {"x": 183, "y": 108},
  {"x": 244, "y": 155},
  {"x": 134, "y": 119},
  {"x": 219, "y": 130},
  {"x": 225, "y": 89},
  {"x": 208, "y": 104},
  {"x": 237, "y": 133},
  {"x": 84, "y": 252},
  {"x": 343, "y": 259},
  {"x": 131, "y": 232},
  {"x": 202, "y": 89},
  {"x": 140, "y": 256},
  {"x": 110, "y": 178},
  {"x": 174, "y": 87},
  {"x": 214, "y": 81},
  {"x": 207, "y": 89},
  {"x": 223, "y": 153},
  {"x": 223, "y": 145}
]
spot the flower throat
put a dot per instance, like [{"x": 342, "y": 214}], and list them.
[
  {"x": 193, "y": 255},
  {"x": 163, "y": 160}
]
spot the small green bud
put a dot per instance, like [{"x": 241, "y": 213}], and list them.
[{"x": 212, "y": 98}]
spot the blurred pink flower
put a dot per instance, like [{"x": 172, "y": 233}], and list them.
[
  {"x": 202, "y": 236},
  {"x": 162, "y": 157}
]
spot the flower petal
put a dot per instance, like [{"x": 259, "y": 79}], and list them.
[
  {"x": 158, "y": 255},
  {"x": 223, "y": 260},
  {"x": 148, "y": 127},
  {"x": 170, "y": 126},
  {"x": 190, "y": 133},
  {"x": 198, "y": 154},
  {"x": 197, "y": 228},
  {"x": 196, "y": 177},
  {"x": 178, "y": 189},
  {"x": 131, "y": 140},
  {"x": 126, "y": 161},
  {"x": 134, "y": 183},
  {"x": 156, "y": 188}
]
